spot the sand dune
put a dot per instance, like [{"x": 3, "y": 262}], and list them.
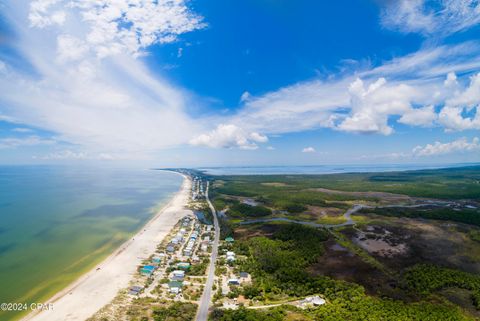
[{"x": 98, "y": 287}]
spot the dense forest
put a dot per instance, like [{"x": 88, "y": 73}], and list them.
[
  {"x": 425, "y": 279},
  {"x": 279, "y": 265},
  {"x": 244, "y": 210}
]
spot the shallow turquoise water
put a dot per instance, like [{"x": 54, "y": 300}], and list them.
[{"x": 57, "y": 222}]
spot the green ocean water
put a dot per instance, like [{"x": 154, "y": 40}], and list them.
[{"x": 58, "y": 222}]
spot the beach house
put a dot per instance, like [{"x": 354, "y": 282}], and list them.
[
  {"x": 170, "y": 248},
  {"x": 178, "y": 275},
  {"x": 183, "y": 266},
  {"x": 135, "y": 290},
  {"x": 175, "y": 287},
  {"x": 233, "y": 281},
  {"x": 230, "y": 256},
  {"x": 312, "y": 301},
  {"x": 147, "y": 269}
]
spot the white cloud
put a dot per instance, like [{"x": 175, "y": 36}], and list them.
[
  {"x": 413, "y": 89},
  {"x": 371, "y": 106},
  {"x": 70, "y": 48},
  {"x": 438, "y": 148},
  {"x": 470, "y": 97},
  {"x": 295, "y": 108},
  {"x": 8, "y": 119},
  {"x": 3, "y": 67},
  {"x": 118, "y": 26},
  {"x": 453, "y": 117},
  {"x": 68, "y": 154},
  {"x": 308, "y": 150},
  {"x": 451, "y": 80},
  {"x": 33, "y": 140},
  {"x": 431, "y": 18},
  {"x": 22, "y": 130},
  {"x": 229, "y": 136},
  {"x": 44, "y": 13},
  {"x": 270, "y": 148},
  {"x": 114, "y": 104},
  {"x": 79, "y": 154},
  {"x": 453, "y": 120},
  {"x": 424, "y": 116},
  {"x": 245, "y": 96},
  {"x": 64, "y": 155}
]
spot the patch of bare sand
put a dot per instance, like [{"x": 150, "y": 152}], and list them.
[
  {"x": 274, "y": 184},
  {"x": 383, "y": 196},
  {"x": 380, "y": 242}
]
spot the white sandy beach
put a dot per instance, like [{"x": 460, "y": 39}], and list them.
[{"x": 98, "y": 287}]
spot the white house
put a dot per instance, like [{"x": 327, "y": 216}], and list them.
[{"x": 178, "y": 275}]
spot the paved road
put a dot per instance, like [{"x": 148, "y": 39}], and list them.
[
  {"x": 202, "y": 314},
  {"x": 346, "y": 215}
]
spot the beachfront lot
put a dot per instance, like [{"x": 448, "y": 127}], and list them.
[
  {"x": 171, "y": 278},
  {"x": 174, "y": 274}
]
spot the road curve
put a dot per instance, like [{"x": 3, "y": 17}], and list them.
[
  {"x": 346, "y": 215},
  {"x": 202, "y": 313}
]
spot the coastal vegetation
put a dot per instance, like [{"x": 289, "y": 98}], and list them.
[
  {"x": 450, "y": 183},
  {"x": 279, "y": 266},
  {"x": 199, "y": 268},
  {"x": 242, "y": 210},
  {"x": 153, "y": 310},
  {"x": 177, "y": 311},
  {"x": 394, "y": 260},
  {"x": 467, "y": 216},
  {"x": 365, "y": 308},
  {"x": 425, "y": 279}
]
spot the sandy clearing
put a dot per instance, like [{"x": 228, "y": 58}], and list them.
[
  {"x": 381, "y": 195},
  {"x": 92, "y": 291}
]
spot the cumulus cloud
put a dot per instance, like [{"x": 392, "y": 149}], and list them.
[
  {"x": 461, "y": 111},
  {"x": 45, "y": 13},
  {"x": 442, "y": 17},
  {"x": 372, "y": 105},
  {"x": 98, "y": 93},
  {"x": 438, "y": 148},
  {"x": 468, "y": 98},
  {"x": 229, "y": 136},
  {"x": 423, "y": 116},
  {"x": 412, "y": 90},
  {"x": 117, "y": 26},
  {"x": 308, "y": 150}
]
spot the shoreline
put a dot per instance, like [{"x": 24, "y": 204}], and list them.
[{"x": 97, "y": 287}]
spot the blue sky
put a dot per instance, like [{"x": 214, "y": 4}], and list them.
[{"x": 253, "y": 82}]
